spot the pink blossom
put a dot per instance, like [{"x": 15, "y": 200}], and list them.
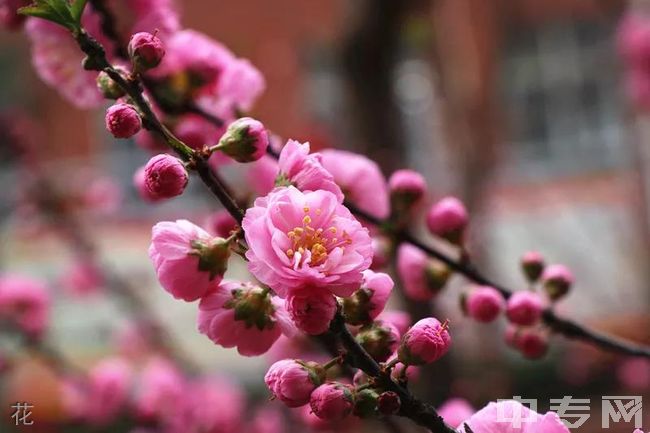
[
  {"x": 532, "y": 343},
  {"x": 123, "y": 120},
  {"x": 240, "y": 85},
  {"x": 301, "y": 240},
  {"x": 146, "y": 50},
  {"x": 177, "y": 250},
  {"x": 304, "y": 170},
  {"x": 369, "y": 301},
  {"x": 448, "y": 218},
  {"x": 407, "y": 184},
  {"x": 524, "y": 308},
  {"x": 360, "y": 180},
  {"x": 82, "y": 278},
  {"x": 332, "y": 401},
  {"x": 244, "y": 316},
  {"x": 160, "y": 387},
  {"x": 132, "y": 340},
  {"x": 503, "y": 417},
  {"x": 484, "y": 303},
  {"x": 293, "y": 381},
  {"x": 108, "y": 389},
  {"x": 427, "y": 341},
  {"x": 532, "y": 263},
  {"x": 400, "y": 319},
  {"x": 153, "y": 16},
  {"x": 26, "y": 302},
  {"x": 421, "y": 277},
  {"x": 455, "y": 410},
  {"x": 245, "y": 140},
  {"x": 165, "y": 176},
  {"x": 557, "y": 280},
  {"x": 57, "y": 59},
  {"x": 311, "y": 310}
]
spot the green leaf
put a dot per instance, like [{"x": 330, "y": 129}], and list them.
[
  {"x": 77, "y": 8},
  {"x": 56, "y": 11}
]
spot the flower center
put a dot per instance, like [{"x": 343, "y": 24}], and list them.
[{"x": 312, "y": 245}]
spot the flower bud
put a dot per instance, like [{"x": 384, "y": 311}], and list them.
[
  {"x": 293, "y": 381},
  {"x": 401, "y": 372},
  {"x": 448, "y": 219},
  {"x": 312, "y": 310},
  {"x": 484, "y": 303},
  {"x": 427, "y": 341},
  {"x": 558, "y": 280},
  {"x": 109, "y": 88},
  {"x": 407, "y": 188},
  {"x": 332, "y": 401},
  {"x": 365, "y": 403},
  {"x": 524, "y": 308},
  {"x": 380, "y": 340},
  {"x": 369, "y": 301},
  {"x": 532, "y": 343},
  {"x": 146, "y": 51},
  {"x": 388, "y": 403},
  {"x": 532, "y": 264},
  {"x": 123, "y": 120},
  {"x": 245, "y": 140},
  {"x": 436, "y": 276},
  {"x": 165, "y": 176}
]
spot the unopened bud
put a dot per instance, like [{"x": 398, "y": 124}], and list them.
[
  {"x": 365, "y": 403},
  {"x": 388, "y": 403},
  {"x": 245, "y": 140},
  {"x": 558, "y": 280},
  {"x": 532, "y": 264},
  {"x": 165, "y": 176},
  {"x": 146, "y": 51},
  {"x": 123, "y": 120},
  {"x": 109, "y": 88}
]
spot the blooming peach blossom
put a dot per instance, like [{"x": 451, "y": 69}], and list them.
[{"x": 300, "y": 240}]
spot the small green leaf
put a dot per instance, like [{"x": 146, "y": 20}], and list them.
[
  {"x": 56, "y": 11},
  {"x": 77, "y": 8}
]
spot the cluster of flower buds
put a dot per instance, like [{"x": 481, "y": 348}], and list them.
[{"x": 524, "y": 309}]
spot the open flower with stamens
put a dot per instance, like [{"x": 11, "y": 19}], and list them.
[
  {"x": 245, "y": 316},
  {"x": 304, "y": 170},
  {"x": 306, "y": 239}
]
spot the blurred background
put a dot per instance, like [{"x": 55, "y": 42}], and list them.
[{"x": 516, "y": 106}]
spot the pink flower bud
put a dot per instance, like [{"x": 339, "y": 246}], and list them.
[
  {"x": 388, "y": 403},
  {"x": 407, "y": 188},
  {"x": 532, "y": 343},
  {"x": 427, "y": 341},
  {"x": 484, "y": 303},
  {"x": 146, "y": 51},
  {"x": 532, "y": 264},
  {"x": 165, "y": 176},
  {"x": 401, "y": 372},
  {"x": 312, "y": 310},
  {"x": 400, "y": 319},
  {"x": 122, "y": 120},
  {"x": 369, "y": 301},
  {"x": 141, "y": 187},
  {"x": 422, "y": 277},
  {"x": 558, "y": 280},
  {"x": 293, "y": 381},
  {"x": 332, "y": 401},
  {"x": 188, "y": 261},
  {"x": 448, "y": 219},
  {"x": 245, "y": 140},
  {"x": 380, "y": 340},
  {"x": 524, "y": 308}
]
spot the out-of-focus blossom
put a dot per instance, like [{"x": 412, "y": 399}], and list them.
[
  {"x": 360, "y": 180},
  {"x": 160, "y": 388},
  {"x": 102, "y": 195},
  {"x": 422, "y": 277},
  {"x": 109, "y": 383},
  {"x": 448, "y": 218},
  {"x": 82, "y": 278},
  {"x": 26, "y": 302},
  {"x": 524, "y": 308},
  {"x": 455, "y": 410}
]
